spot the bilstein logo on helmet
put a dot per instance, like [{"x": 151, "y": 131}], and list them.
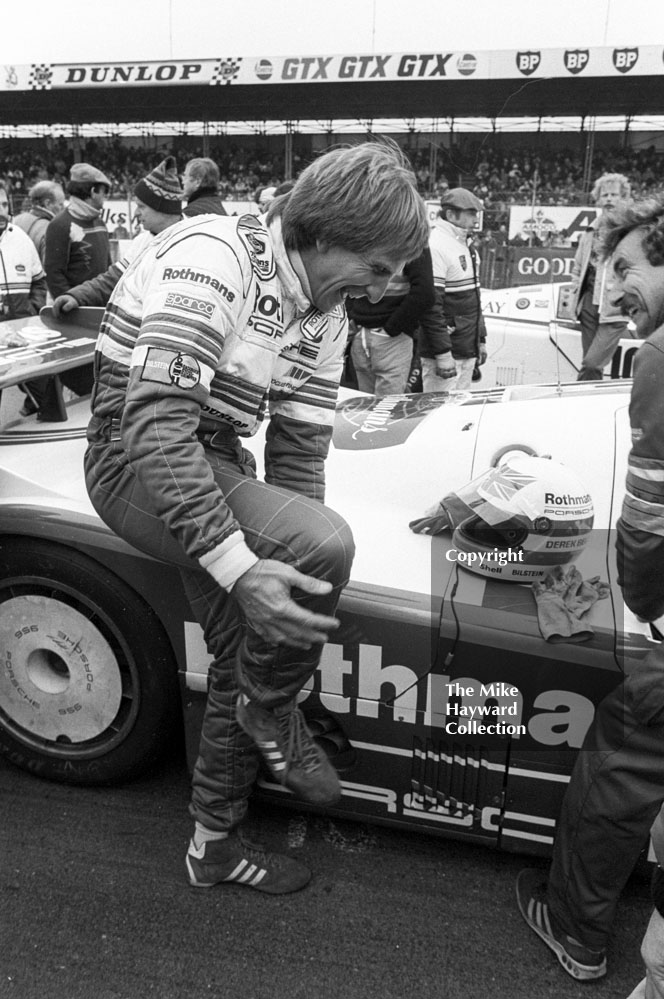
[{"x": 567, "y": 500}]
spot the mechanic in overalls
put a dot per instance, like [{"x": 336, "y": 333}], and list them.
[{"x": 218, "y": 321}]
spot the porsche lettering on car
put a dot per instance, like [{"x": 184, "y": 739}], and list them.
[{"x": 439, "y": 700}]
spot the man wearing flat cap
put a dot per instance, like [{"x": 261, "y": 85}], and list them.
[
  {"x": 76, "y": 248},
  {"x": 77, "y": 245},
  {"x": 453, "y": 334}
]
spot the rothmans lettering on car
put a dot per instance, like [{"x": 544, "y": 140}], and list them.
[
  {"x": 200, "y": 277},
  {"x": 193, "y": 306}
]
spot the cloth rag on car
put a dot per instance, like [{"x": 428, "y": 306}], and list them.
[{"x": 563, "y": 599}]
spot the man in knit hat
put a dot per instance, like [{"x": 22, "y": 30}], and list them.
[
  {"x": 160, "y": 190},
  {"x": 158, "y": 205}
]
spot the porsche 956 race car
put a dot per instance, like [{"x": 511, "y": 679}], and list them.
[
  {"x": 102, "y": 666},
  {"x": 532, "y": 336}
]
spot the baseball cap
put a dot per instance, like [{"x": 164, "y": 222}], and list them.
[
  {"x": 84, "y": 173},
  {"x": 461, "y": 199}
]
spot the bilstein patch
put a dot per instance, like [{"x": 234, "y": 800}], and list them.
[{"x": 171, "y": 367}]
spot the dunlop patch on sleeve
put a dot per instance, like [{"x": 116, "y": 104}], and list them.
[{"x": 171, "y": 367}]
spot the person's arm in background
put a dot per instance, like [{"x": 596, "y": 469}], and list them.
[
  {"x": 56, "y": 256},
  {"x": 420, "y": 297}
]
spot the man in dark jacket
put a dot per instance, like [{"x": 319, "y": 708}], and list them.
[
  {"x": 77, "y": 245},
  {"x": 617, "y": 787},
  {"x": 382, "y": 348},
  {"x": 200, "y": 183}
]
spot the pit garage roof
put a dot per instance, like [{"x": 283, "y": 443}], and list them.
[{"x": 442, "y": 84}]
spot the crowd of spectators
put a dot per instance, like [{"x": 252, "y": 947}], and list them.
[{"x": 500, "y": 175}]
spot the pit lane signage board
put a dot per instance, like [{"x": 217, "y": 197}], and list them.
[
  {"x": 43, "y": 345},
  {"x": 542, "y": 222},
  {"x": 350, "y": 67}
]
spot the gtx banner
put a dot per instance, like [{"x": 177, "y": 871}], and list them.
[{"x": 646, "y": 60}]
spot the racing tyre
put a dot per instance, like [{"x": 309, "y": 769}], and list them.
[{"x": 88, "y": 681}]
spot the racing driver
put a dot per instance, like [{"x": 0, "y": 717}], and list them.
[
  {"x": 617, "y": 786},
  {"x": 219, "y": 320}
]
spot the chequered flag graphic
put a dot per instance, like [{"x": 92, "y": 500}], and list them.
[
  {"x": 41, "y": 76},
  {"x": 225, "y": 71}
]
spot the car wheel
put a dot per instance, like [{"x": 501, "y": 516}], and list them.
[{"x": 88, "y": 680}]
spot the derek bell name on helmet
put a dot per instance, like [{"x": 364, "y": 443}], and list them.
[{"x": 499, "y": 557}]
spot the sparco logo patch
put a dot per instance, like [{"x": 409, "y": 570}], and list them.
[
  {"x": 185, "y": 303},
  {"x": 200, "y": 277}
]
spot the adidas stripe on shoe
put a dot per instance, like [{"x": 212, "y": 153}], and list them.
[
  {"x": 234, "y": 860},
  {"x": 290, "y": 752},
  {"x": 578, "y": 961}
]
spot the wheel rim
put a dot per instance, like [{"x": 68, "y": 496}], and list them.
[{"x": 68, "y": 683}]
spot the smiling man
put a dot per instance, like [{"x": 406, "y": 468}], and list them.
[
  {"x": 617, "y": 786},
  {"x": 220, "y": 320}
]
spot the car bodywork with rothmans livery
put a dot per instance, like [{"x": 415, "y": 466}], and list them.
[{"x": 102, "y": 666}]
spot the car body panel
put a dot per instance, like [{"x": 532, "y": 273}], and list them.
[
  {"x": 413, "y": 621},
  {"x": 532, "y": 337}
]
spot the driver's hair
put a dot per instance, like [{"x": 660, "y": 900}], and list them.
[
  {"x": 362, "y": 198},
  {"x": 647, "y": 215}
]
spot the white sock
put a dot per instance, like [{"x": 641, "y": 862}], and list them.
[{"x": 204, "y": 835}]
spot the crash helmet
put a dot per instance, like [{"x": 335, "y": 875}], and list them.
[{"x": 525, "y": 516}]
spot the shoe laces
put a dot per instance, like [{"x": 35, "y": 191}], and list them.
[
  {"x": 257, "y": 854},
  {"x": 301, "y": 749}
]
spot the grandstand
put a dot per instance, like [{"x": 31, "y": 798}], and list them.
[{"x": 518, "y": 128}]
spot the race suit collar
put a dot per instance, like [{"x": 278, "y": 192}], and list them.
[
  {"x": 454, "y": 230},
  {"x": 290, "y": 269}
]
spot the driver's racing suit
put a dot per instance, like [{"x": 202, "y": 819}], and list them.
[
  {"x": 208, "y": 328},
  {"x": 617, "y": 786}
]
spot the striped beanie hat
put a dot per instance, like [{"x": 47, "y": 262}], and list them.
[{"x": 161, "y": 188}]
